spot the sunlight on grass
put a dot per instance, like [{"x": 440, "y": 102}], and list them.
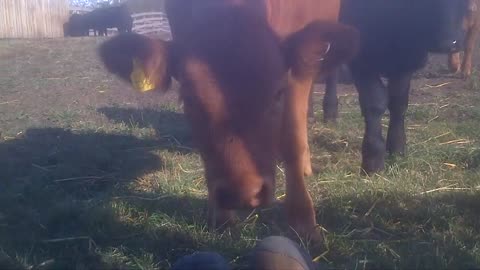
[{"x": 112, "y": 181}]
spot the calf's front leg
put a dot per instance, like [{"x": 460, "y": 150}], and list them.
[
  {"x": 299, "y": 205},
  {"x": 472, "y": 36},
  {"x": 454, "y": 62}
]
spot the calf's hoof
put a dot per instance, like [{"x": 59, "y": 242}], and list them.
[
  {"x": 307, "y": 233},
  {"x": 454, "y": 63},
  {"x": 220, "y": 220},
  {"x": 466, "y": 73},
  {"x": 302, "y": 222},
  {"x": 455, "y": 69}
]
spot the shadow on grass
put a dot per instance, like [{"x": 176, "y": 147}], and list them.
[
  {"x": 65, "y": 202},
  {"x": 56, "y": 184},
  {"x": 403, "y": 231},
  {"x": 167, "y": 124},
  {"x": 69, "y": 159}
]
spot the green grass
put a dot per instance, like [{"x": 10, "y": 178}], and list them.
[{"x": 94, "y": 176}]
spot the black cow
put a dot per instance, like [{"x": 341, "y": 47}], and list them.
[
  {"x": 99, "y": 20},
  {"x": 110, "y": 17},
  {"x": 75, "y": 27},
  {"x": 396, "y": 37}
]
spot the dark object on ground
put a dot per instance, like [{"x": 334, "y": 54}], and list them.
[{"x": 272, "y": 253}]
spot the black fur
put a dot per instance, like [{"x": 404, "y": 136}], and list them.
[{"x": 396, "y": 37}]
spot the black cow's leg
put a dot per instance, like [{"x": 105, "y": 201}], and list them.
[
  {"x": 398, "y": 92},
  {"x": 373, "y": 102},
  {"x": 330, "y": 100}
]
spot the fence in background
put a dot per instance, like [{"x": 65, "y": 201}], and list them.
[
  {"x": 151, "y": 23},
  {"x": 79, "y": 10},
  {"x": 33, "y": 18},
  {"x": 145, "y": 23}
]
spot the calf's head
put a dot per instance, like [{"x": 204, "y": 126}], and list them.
[{"x": 233, "y": 93}]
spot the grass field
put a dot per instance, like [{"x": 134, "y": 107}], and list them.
[{"x": 96, "y": 176}]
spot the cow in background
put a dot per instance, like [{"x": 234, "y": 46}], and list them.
[
  {"x": 396, "y": 38},
  {"x": 75, "y": 27},
  {"x": 99, "y": 20},
  {"x": 110, "y": 17},
  {"x": 471, "y": 26},
  {"x": 245, "y": 68}
]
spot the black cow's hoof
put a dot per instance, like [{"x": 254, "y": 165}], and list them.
[
  {"x": 396, "y": 143},
  {"x": 396, "y": 149},
  {"x": 371, "y": 166},
  {"x": 330, "y": 119},
  {"x": 330, "y": 112}
]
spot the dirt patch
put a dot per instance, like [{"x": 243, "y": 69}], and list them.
[{"x": 45, "y": 82}]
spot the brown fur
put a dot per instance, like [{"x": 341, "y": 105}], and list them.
[
  {"x": 153, "y": 54},
  {"x": 471, "y": 26},
  {"x": 246, "y": 68}
]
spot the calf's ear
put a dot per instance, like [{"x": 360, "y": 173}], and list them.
[
  {"x": 141, "y": 61},
  {"x": 320, "y": 47}
]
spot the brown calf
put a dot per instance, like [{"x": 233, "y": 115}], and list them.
[
  {"x": 471, "y": 26},
  {"x": 245, "y": 68}
]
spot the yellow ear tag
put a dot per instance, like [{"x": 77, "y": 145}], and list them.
[{"x": 138, "y": 78}]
